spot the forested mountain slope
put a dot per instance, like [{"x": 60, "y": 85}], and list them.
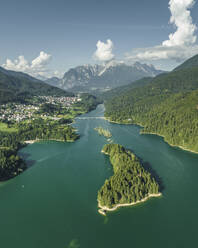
[
  {"x": 17, "y": 87},
  {"x": 192, "y": 62},
  {"x": 167, "y": 106},
  {"x": 117, "y": 91}
]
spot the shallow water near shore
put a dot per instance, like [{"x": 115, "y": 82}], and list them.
[{"x": 55, "y": 200}]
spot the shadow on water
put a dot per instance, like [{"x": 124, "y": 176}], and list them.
[
  {"x": 25, "y": 156},
  {"x": 154, "y": 174}
]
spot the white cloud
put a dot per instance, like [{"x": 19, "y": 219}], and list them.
[
  {"x": 104, "y": 51},
  {"x": 19, "y": 64},
  {"x": 175, "y": 53},
  {"x": 41, "y": 61},
  {"x": 181, "y": 44},
  {"x": 58, "y": 74},
  {"x": 181, "y": 18},
  {"x": 37, "y": 67}
]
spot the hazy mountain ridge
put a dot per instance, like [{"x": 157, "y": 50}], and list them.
[
  {"x": 18, "y": 74},
  {"x": 103, "y": 77}
]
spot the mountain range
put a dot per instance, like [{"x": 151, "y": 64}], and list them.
[{"x": 90, "y": 78}]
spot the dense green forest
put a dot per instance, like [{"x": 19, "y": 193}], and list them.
[
  {"x": 13, "y": 139},
  {"x": 166, "y": 106},
  {"x": 88, "y": 102},
  {"x": 130, "y": 181},
  {"x": 54, "y": 109},
  {"x": 136, "y": 84},
  {"x": 10, "y": 164}
]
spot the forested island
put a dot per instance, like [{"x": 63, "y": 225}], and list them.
[
  {"x": 104, "y": 132},
  {"x": 130, "y": 183}
]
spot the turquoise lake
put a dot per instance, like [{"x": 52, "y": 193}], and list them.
[{"x": 53, "y": 204}]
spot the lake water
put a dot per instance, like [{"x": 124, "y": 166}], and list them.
[{"x": 55, "y": 200}]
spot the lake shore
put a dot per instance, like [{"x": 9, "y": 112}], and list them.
[
  {"x": 103, "y": 209},
  {"x": 151, "y": 133},
  {"x": 28, "y": 142},
  {"x": 181, "y": 147},
  {"x": 117, "y": 122},
  {"x": 104, "y": 152}
]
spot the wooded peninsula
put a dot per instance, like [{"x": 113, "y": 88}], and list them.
[
  {"x": 14, "y": 137},
  {"x": 130, "y": 183}
]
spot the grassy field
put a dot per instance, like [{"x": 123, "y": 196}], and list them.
[
  {"x": 4, "y": 128},
  {"x": 72, "y": 114}
]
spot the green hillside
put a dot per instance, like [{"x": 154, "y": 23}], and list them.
[
  {"x": 133, "y": 85},
  {"x": 21, "y": 86},
  {"x": 167, "y": 106},
  {"x": 192, "y": 62}
]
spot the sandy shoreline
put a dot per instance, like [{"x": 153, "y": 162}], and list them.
[
  {"x": 103, "y": 209},
  {"x": 37, "y": 140},
  {"x": 104, "y": 152},
  {"x": 30, "y": 141}
]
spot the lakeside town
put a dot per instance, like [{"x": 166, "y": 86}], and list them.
[{"x": 19, "y": 112}]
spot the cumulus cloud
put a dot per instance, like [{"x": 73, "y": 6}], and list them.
[
  {"x": 37, "y": 67},
  {"x": 19, "y": 64},
  {"x": 181, "y": 18},
  {"x": 41, "y": 61},
  {"x": 104, "y": 51},
  {"x": 181, "y": 44}
]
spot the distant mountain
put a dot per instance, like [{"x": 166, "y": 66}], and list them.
[
  {"x": 54, "y": 81},
  {"x": 16, "y": 86},
  {"x": 88, "y": 78},
  {"x": 18, "y": 74},
  {"x": 192, "y": 62},
  {"x": 80, "y": 78}
]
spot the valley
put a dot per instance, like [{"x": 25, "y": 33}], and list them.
[
  {"x": 99, "y": 124},
  {"x": 60, "y": 192}
]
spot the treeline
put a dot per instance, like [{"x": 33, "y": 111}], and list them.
[
  {"x": 45, "y": 130},
  {"x": 53, "y": 109},
  {"x": 10, "y": 164},
  {"x": 88, "y": 102},
  {"x": 39, "y": 129},
  {"x": 130, "y": 181},
  {"x": 166, "y": 106}
]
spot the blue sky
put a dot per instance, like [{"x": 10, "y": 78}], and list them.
[{"x": 68, "y": 32}]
